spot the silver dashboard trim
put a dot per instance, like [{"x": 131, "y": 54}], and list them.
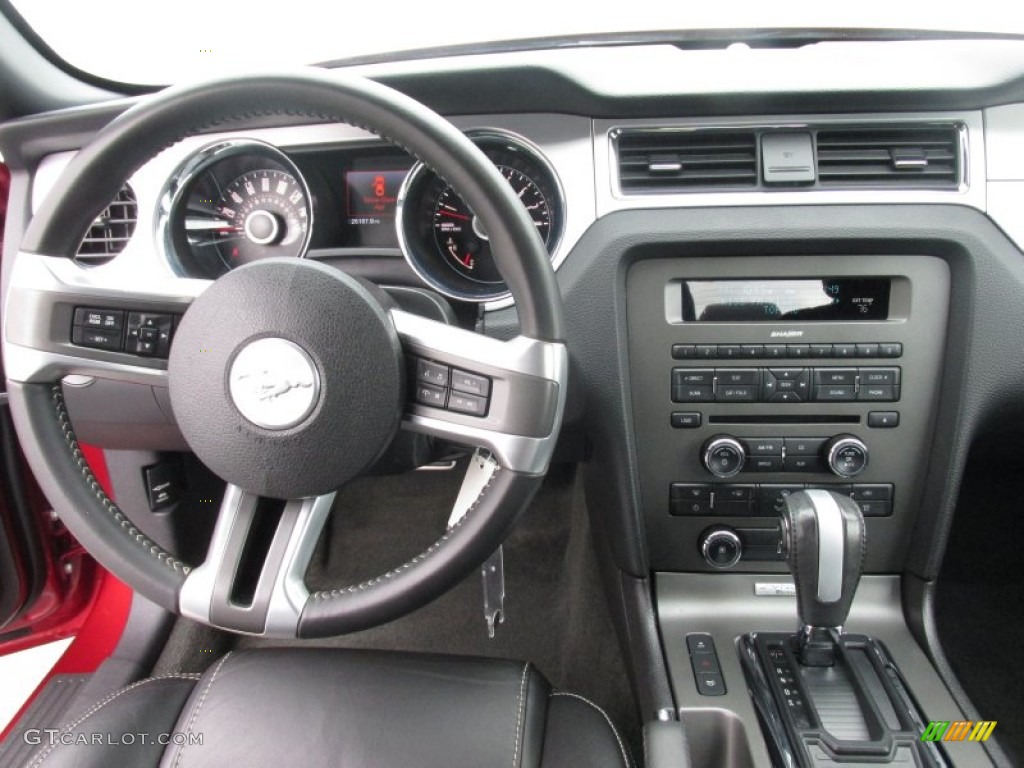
[{"x": 972, "y": 190}]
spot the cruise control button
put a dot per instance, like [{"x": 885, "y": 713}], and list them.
[
  {"x": 105, "y": 319},
  {"x": 428, "y": 394},
  {"x": 432, "y": 373},
  {"x": 97, "y": 339},
  {"x": 471, "y": 383}
]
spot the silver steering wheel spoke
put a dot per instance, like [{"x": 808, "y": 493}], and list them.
[
  {"x": 42, "y": 296},
  {"x": 505, "y": 396},
  {"x": 253, "y": 578}
]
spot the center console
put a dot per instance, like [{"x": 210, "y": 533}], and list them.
[
  {"x": 783, "y": 411},
  {"x": 754, "y": 377}
]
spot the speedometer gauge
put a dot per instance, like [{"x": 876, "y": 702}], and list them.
[
  {"x": 447, "y": 244},
  {"x": 237, "y": 202}
]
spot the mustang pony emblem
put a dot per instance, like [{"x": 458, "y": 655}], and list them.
[{"x": 267, "y": 385}]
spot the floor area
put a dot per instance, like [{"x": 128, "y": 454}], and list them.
[
  {"x": 980, "y": 595},
  {"x": 556, "y": 615}
]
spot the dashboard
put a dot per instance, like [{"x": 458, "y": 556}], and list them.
[{"x": 781, "y": 269}]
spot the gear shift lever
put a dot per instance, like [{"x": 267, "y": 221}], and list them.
[{"x": 824, "y": 541}]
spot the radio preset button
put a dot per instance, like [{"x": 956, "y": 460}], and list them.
[
  {"x": 821, "y": 350},
  {"x": 684, "y": 351},
  {"x": 867, "y": 350},
  {"x": 775, "y": 351},
  {"x": 798, "y": 350}
]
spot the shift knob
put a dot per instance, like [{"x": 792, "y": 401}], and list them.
[{"x": 824, "y": 540}]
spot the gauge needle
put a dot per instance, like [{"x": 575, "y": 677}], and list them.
[
  {"x": 219, "y": 225},
  {"x": 453, "y": 249},
  {"x": 454, "y": 215}
]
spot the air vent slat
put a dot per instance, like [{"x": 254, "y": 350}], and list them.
[
  {"x": 669, "y": 160},
  {"x": 889, "y": 156},
  {"x": 111, "y": 231}
]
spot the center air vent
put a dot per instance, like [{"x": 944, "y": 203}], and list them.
[
  {"x": 890, "y": 156},
  {"x": 111, "y": 231},
  {"x": 669, "y": 160}
]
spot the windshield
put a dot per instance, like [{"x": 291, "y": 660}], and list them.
[{"x": 154, "y": 44}]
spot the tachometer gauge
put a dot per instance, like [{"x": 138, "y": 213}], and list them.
[
  {"x": 447, "y": 244},
  {"x": 237, "y": 202},
  {"x": 461, "y": 238}
]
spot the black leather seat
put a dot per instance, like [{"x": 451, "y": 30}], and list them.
[{"x": 320, "y": 707}]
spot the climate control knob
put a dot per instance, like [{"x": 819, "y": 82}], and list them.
[
  {"x": 721, "y": 547},
  {"x": 846, "y": 455},
  {"x": 723, "y": 456}
]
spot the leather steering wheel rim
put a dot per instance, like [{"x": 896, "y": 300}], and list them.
[{"x": 97, "y": 172}]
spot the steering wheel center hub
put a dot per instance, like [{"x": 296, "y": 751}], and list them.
[
  {"x": 274, "y": 383},
  {"x": 287, "y": 378}
]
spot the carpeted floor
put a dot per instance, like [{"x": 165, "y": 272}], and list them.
[
  {"x": 556, "y": 615},
  {"x": 980, "y": 596}
]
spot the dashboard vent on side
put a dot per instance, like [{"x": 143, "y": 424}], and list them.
[
  {"x": 669, "y": 160},
  {"x": 889, "y": 156},
  {"x": 111, "y": 231}
]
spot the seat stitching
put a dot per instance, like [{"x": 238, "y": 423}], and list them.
[
  {"x": 64, "y": 422},
  {"x": 333, "y": 593},
  {"x": 615, "y": 731},
  {"x": 520, "y": 708},
  {"x": 102, "y": 703},
  {"x": 195, "y": 712}
]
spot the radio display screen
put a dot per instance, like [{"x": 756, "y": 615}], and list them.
[{"x": 783, "y": 300}]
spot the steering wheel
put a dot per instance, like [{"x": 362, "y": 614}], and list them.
[{"x": 336, "y": 358}]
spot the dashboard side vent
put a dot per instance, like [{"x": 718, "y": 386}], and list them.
[
  {"x": 889, "y": 156},
  {"x": 669, "y": 160},
  {"x": 111, "y": 231}
]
